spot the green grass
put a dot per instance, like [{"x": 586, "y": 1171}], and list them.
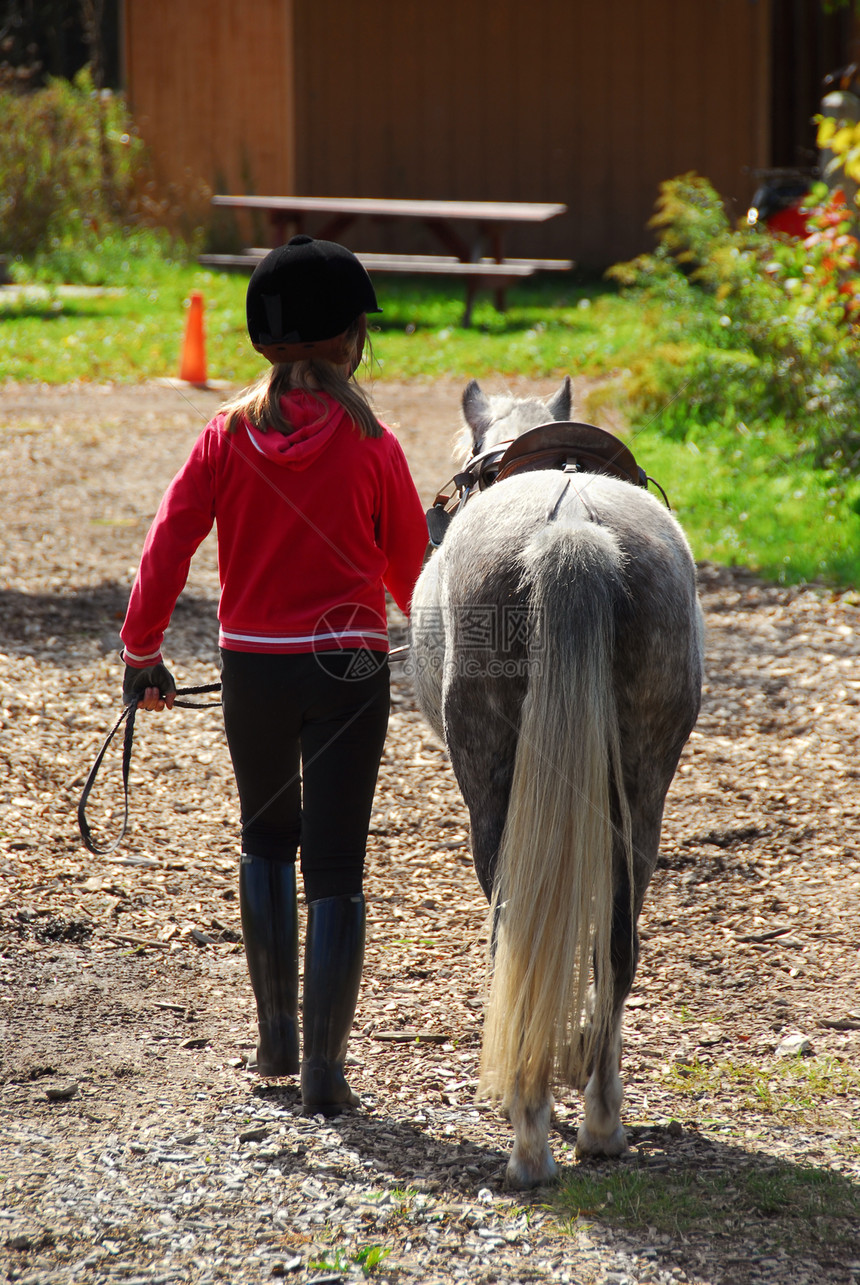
[
  {"x": 772, "y": 1205},
  {"x": 128, "y": 336},
  {"x": 746, "y": 496},
  {"x": 823, "y": 1091},
  {"x": 753, "y": 501},
  {"x": 729, "y": 1191},
  {"x": 367, "y": 1257},
  {"x": 729, "y": 1188},
  {"x": 549, "y": 328},
  {"x": 137, "y": 332}
]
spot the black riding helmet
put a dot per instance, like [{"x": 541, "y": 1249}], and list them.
[{"x": 306, "y": 292}]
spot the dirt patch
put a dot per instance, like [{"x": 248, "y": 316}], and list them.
[{"x": 137, "y": 1144}]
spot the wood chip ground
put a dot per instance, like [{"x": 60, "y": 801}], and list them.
[{"x": 137, "y": 1146}]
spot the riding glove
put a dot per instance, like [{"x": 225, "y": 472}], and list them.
[{"x": 136, "y": 681}]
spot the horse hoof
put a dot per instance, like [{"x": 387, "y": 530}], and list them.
[
  {"x": 589, "y": 1144},
  {"x": 522, "y": 1177}
]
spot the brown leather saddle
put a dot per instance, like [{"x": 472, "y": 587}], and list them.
[{"x": 561, "y": 445}]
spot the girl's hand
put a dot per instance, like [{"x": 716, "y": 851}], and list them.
[
  {"x": 152, "y": 698},
  {"x": 153, "y": 688}
]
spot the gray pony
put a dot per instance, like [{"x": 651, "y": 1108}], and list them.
[{"x": 557, "y": 650}]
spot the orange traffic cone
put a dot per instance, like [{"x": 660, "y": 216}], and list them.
[{"x": 193, "y": 365}]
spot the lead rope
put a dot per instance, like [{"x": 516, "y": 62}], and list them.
[{"x": 127, "y": 716}]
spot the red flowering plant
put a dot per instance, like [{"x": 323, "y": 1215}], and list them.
[
  {"x": 833, "y": 244},
  {"x": 833, "y": 251}
]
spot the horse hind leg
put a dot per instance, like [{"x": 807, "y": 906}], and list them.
[
  {"x": 485, "y": 783},
  {"x": 484, "y": 765},
  {"x": 531, "y": 1163},
  {"x": 601, "y": 1133}
]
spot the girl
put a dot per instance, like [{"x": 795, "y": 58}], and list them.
[{"x": 316, "y": 514}]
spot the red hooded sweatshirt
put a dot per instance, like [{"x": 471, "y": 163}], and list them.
[{"x": 311, "y": 529}]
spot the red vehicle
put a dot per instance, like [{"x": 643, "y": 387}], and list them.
[{"x": 777, "y": 202}]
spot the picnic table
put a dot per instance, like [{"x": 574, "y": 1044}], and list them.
[{"x": 471, "y": 232}]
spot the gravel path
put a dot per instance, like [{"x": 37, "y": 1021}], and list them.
[{"x": 139, "y": 1147}]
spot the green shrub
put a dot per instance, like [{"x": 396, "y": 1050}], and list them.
[
  {"x": 115, "y": 256},
  {"x": 70, "y": 166},
  {"x": 749, "y": 326}
]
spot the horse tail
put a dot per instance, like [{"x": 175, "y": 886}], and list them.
[{"x": 554, "y": 887}]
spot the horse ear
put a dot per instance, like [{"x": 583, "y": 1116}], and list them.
[
  {"x": 476, "y": 409},
  {"x": 559, "y": 405}
]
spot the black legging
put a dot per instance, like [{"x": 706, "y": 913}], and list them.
[{"x": 306, "y": 734}]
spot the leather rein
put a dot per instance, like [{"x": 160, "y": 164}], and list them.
[
  {"x": 127, "y": 716},
  {"x": 561, "y": 445}
]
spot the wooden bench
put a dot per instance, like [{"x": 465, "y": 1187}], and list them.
[
  {"x": 471, "y": 232},
  {"x": 484, "y": 273}
]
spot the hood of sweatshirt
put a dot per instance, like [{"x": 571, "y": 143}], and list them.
[{"x": 315, "y": 417}]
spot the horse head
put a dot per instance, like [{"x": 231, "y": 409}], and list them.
[{"x": 501, "y": 417}]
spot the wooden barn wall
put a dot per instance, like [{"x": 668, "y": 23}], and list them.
[
  {"x": 212, "y": 94},
  {"x": 560, "y": 100},
  {"x": 806, "y": 45}
]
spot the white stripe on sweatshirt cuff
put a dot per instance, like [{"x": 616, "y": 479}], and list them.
[{"x": 131, "y": 658}]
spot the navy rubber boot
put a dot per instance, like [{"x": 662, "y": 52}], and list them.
[
  {"x": 267, "y": 898},
  {"x": 334, "y": 957}
]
